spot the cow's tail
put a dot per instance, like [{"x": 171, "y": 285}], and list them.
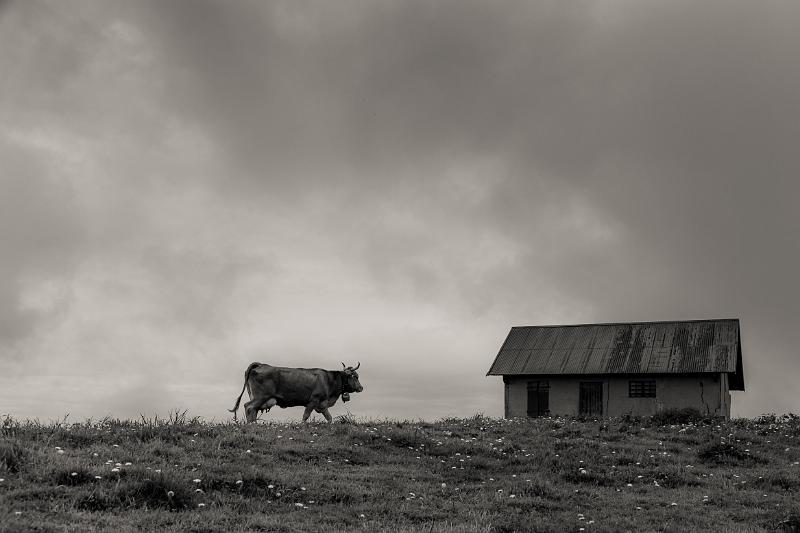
[{"x": 239, "y": 399}]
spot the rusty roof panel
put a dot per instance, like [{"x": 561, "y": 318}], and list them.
[
  {"x": 725, "y": 334},
  {"x": 584, "y": 338},
  {"x": 629, "y": 348},
  {"x": 516, "y": 338},
  {"x": 555, "y": 359},
  {"x": 543, "y": 339},
  {"x": 520, "y": 361},
  {"x": 564, "y": 341},
  {"x": 605, "y": 337},
  {"x": 599, "y": 357},
  {"x": 502, "y": 365},
  {"x": 722, "y": 359},
  {"x": 659, "y": 359}
]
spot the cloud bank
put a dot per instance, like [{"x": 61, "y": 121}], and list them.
[{"x": 188, "y": 187}]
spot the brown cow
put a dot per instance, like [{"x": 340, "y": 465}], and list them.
[{"x": 313, "y": 388}]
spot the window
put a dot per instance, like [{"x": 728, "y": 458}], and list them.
[{"x": 643, "y": 388}]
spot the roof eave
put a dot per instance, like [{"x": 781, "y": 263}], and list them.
[
  {"x": 496, "y": 357},
  {"x": 736, "y": 379}
]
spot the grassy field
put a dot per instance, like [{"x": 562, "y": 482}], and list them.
[{"x": 475, "y": 474}]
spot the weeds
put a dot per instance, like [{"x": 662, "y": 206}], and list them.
[
  {"x": 72, "y": 477},
  {"x": 687, "y": 415},
  {"x": 726, "y": 454},
  {"x": 13, "y": 456},
  {"x": 154, "y": 493},
  {"x": 137, "y": 494}
]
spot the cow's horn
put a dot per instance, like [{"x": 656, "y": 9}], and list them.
[
  {"x": 358, "y": 365},
  {"x": 344, "y": 366}
]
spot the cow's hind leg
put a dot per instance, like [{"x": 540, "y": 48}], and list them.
[
  {"x": 253, "y": 407},
  {"x": 251, "y": 410},
  {"x": 307, "y": 413},
  {"x": 324, "y": 412}
]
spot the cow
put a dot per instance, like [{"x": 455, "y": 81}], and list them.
[{"x": 313, "y": 388}]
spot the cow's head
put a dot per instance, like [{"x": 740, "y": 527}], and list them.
[{"x": 351, "y": 383}]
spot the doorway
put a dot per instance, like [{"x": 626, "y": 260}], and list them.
[
  {"x": 538, "y": 398},
  {"x": 590, "y": 398}
]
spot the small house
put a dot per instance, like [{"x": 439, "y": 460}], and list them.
[{"x": 637, "y": 368}]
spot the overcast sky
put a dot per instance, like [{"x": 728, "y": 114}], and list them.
[{"x": 190, "y": 186}]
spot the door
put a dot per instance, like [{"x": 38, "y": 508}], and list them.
[
  {"x": 538, "y": 398},
  {"x": 590, "y": 399}
]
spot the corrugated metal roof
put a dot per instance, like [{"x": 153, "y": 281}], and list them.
[{"x": 680, "y": 347}]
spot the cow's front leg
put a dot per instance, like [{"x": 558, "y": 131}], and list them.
[{"x": 307, "y": 413}]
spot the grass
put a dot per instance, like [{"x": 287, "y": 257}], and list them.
[{"x": 475, "y": 474}]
